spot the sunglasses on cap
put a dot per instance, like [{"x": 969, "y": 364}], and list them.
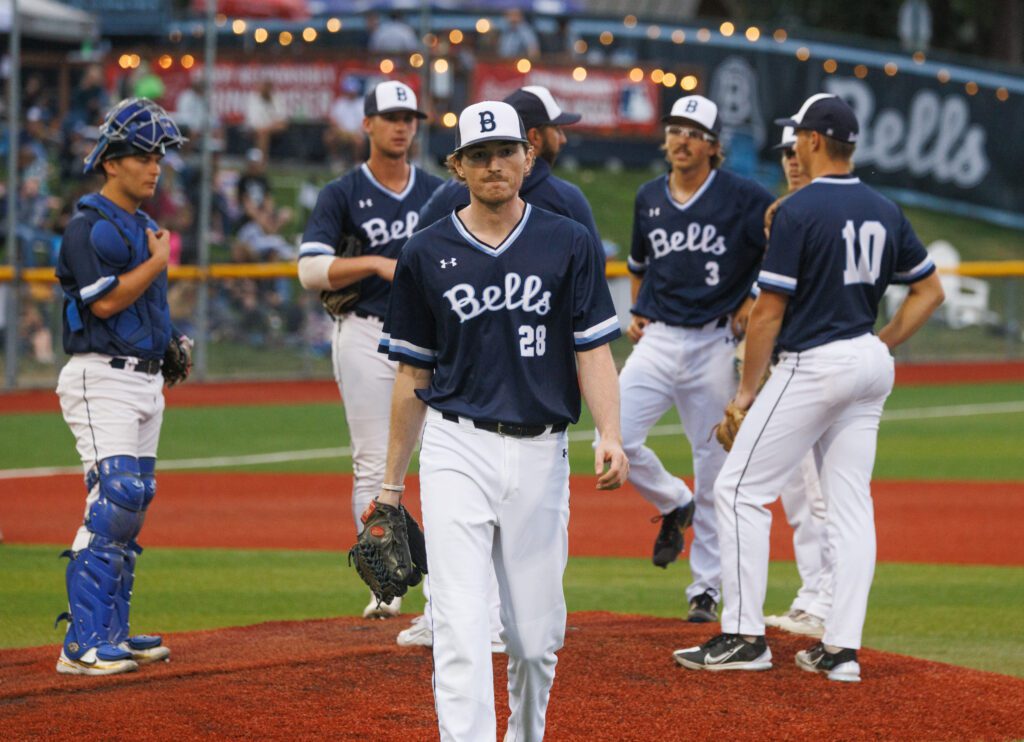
[{"x": 689, "y": 132}]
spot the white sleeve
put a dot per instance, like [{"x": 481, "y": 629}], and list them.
[{"x": 313, "y": 271}]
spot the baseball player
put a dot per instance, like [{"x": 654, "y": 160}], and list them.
[
  {"x": 801, "y": 496},
  {"x": 835, "y": 246},
  {"x": 378, "y": 203},
  {"x": 496, "y": 308},
  {"x": 543, "y": 119},
  {"x": 697, "y": 243},
  {"x": 113, "y": 271}
]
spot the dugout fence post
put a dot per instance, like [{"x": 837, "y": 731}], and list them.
[{"x": 11, "y": 309}]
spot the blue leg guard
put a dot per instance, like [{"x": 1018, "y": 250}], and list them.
[{"x": 95, "y": 574}]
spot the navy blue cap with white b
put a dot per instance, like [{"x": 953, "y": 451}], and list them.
[
  {"x": 826, "y": 114},
  {"x": 489, "y": 121}
]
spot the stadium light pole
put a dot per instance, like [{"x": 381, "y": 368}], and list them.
[
  {"x": 13, "y": 253},
  {"x": 205, "y": 195}
]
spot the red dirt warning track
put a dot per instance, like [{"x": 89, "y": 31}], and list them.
[
  {"x": 311, "y": 511},
  {"x": 345, "y": 679}
]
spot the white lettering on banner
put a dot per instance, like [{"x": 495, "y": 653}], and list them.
[
  {"x": 940, "y": 140},
  {"x": 696, "y": 239},
  {"x": 380, "y": 233},
  {"x": 515, "y": 294}
]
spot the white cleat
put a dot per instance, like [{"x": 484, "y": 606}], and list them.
[
  {"x": 146, "y": 655},
  {"x": 375, "y": 609},
  {"x": 420, "y": 634},
  {"x": 799, "y": 622},
  {"x": 90, "y": 664}
]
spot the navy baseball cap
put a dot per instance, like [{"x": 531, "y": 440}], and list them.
[
  {"x": 537, "y": 107},
  {"x": 826, "y": 114},
  {"x": 698, "y": 110},
  {"x": 489, "y": 121},
  {"x": 391, "y": 97}
]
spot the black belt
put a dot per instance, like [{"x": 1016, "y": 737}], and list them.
[
  {"x": 513, "y": 430},
  {"x": 142, "y": 365},
  {"x": 719, "y": 323},
  {"x": 366, "y": 315}
]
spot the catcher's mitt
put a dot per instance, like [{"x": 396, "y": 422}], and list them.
[
  {"x": 727, "y": 430},
  {"x": 390, "y": 555},
  {"x": 177, "y": 363},
  {"x": 340, "y": 301}
]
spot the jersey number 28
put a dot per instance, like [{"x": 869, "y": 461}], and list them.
[
  {"x": 532, "y": 340},
  {"x": 864, "y": 265}
]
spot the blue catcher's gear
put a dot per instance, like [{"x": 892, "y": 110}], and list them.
[
  {"x": 143, "y": 648},
  {"x": 134, "y": 126},
  {"x": 95, "y": 574}
]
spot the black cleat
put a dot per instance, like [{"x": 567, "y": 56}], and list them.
[
  {"x": 841, "y": 666},
  {"x": 670, "y": 542},
  {"x": 703, "y": 609},
  {"x": 726, "y": 652}
]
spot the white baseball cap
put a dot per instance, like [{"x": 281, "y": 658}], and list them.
[
  {"x": 698, "y": 109},
  {"x": 389, "y": 97},
  {"x": 489, "y": 121}
]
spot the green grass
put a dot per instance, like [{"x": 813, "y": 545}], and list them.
[
  {"x": 957, "y": 614},
  {"x": 977, "y": 447}
]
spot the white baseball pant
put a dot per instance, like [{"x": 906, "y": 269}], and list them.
[
  {"x": 829, "y": 398},
  {"x": 111, "y": 412},
  {"x": 490, "y": 499},
  {"x": 804, "y": 506},
  {"x": 691, "y": 368},
  {"x": 365, "y": 379}
]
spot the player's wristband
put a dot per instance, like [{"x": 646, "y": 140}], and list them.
[{"x": 393, "y": 487}]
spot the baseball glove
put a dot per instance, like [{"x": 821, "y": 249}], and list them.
[
  {"x": 340, "y": 301},
  {"x": 727, "y": 430},
  {"x": 177, "y": 363},
  {"x": 390, "y": 554}
]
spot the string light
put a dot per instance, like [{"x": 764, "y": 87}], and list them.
[
  {"x": 653, "y": 32},
  {"x": 455, "y": 36},
  {"x": 780, "y": 35},
  {"x": 803, "y": 53},
  {"x": 285, "y": 38},
  {"x": 387, "y": 66},
  {"x": 333, "y": 25},
  {"x": 483, "y": 25},
  {"x": 860, "y": 71},
  {"x": 449, "y": 119},
  {"x": 124, "y": 61},
  {"x": 629, "y": 21},
  {"x": 220, "y": 19},
  {"x": 309, "y": 34},
  {"x": 657, "y": 76},
  {"x": 891, "y": 68},
  {"x": 606, "y": 37},
  {"x": 1002, "y": 94},
  {"x": 678, "y": 36},
  {"x": 579, "y": 74},
  {"x": 943, "y": 75},
  {"x": 580, "y": 46},
  {"x": 188, "y": 61},
  {"x": 136, "y": 60},
  {"x": 918, "y": 57},
  {"x": 689, "y": 82},
  {"x": 636, "y": 74},
  {"x": 416, "y": 60},
  {"x": 830, "y": 66},
  {"x": 440, "y": 66},
  {"x": 165, "y": 61},
  {"x": 669, "y": 81},
  {"x": 238, "y": 26},
  {"x": 703, "y": 35},
  {"x": 727, "y": 29},
  {"x": 523, "y": 66},
  {"x": 753, "y": 33},
  {"x": 971, "y": 88},
  {"x": 260, "y": 35}
]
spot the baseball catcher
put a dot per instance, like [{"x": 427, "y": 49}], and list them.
[
  {"x": 390, "y": 555},
  {"x": 177, "y": 364}
]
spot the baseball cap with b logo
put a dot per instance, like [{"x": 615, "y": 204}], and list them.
[
  {"x": 489, "y": 121},
  {"x": 826, "y": 114},
  {"x": 698, "y": 110},
  {"x": 391, "y": 97}
]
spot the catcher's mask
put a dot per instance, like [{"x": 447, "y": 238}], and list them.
[{"x": 134, "y": 126}]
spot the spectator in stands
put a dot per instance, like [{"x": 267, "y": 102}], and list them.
[
  {"x": 344, "y": 137},
  {"x": 393, "y": 36},
  {"x": 89, "y": 100},
  {"x": 255, "y": 198},
  {"x": 189, "y": 111},
  {"x": 518, "y": 39},
  {"x": 265, "y": 116}
]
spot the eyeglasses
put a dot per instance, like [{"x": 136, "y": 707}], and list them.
[
  {"x": 675, "y": 130},
  {"x": 788, "y": 153}
]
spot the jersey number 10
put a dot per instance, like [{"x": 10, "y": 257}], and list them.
[{"x": 865, "y": 265}]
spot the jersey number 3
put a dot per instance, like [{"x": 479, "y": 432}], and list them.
[
  {"x": 532, "y": 340},
  {"x": 863, "y": 265}
]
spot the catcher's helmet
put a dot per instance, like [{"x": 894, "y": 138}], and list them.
[{"x": 134, "y": 126}]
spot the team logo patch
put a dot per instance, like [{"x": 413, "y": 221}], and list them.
[{"x": 487, "y": 122}]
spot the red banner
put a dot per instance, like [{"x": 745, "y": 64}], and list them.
[
  {"x": 306, "y": 89},
  {"x": 608, "y": 100}
]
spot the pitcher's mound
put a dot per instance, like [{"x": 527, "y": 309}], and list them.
[{"x": 345, "y": 679}]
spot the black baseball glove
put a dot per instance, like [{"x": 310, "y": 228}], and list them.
[
  {"x": 390, "y": 554},
  {"x": 340, "y": 301},
  {"x": 177, "y": 363}
]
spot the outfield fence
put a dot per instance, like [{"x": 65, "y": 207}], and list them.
[{"x": 260, "y": 323}]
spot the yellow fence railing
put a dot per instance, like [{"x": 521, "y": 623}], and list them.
[{"x": 615, "y": 269}]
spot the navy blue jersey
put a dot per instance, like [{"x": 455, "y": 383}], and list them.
[
  {"x": 698, "y": 260},
  {"x": 357, "y": 203},
  {"x": 101, "y": 242},
  {"x": 501, "y": 326},
  {"x": 541, "y": 188},
  {"x": 835, "y": 246}
]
